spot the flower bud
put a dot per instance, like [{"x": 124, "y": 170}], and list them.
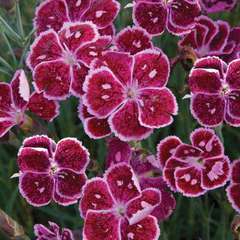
[{"x": 7, "y": 4}]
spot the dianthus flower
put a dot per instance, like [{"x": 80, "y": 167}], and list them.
[
  {"x": 210, "y": 6},
  {"x": 60, "y": 60},
  {"x": 50, "y": 171},
  {"x": 53, "y": 232},
  {"x": 131, "y": 92},
  {"x": 114, "y": 207},
  {"x": 178, "y": 16},
  {"x": 146, "y": 168},
  {"x": 52, "y": 14},
  {"x": 233, "y": 190},
  {"x": 133, "y": 40},
  {"x": 215, "y": 90},
  {"x": 15, "y": 100},
  {"x": 94, "y": 127},
  {"x": 209, "y": 38},
  {"x": 194, "y": 169}
]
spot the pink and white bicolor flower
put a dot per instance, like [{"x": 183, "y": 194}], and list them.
[
  {"x": 215, "y": 90},
  {"x": 15, "y": 100},
  {"x": 146, "y": 168},
  {"x": 50, "y": 171},
  {"x": 60, "y": 60},
  {"x": 114, "y": 207},
  {"x": 233, "y": 190},
  {"x": 194, "y": 169},
  {"x": 178, "y": 16},
  {"x": 52, "y": 14},
  {"x": 53, "y": 232},
  {"x": 131, "y": 92}
]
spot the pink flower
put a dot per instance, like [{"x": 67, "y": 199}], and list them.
[
  {"x": 210, "y": 6},
  {"x": 233, "y": 190},
  {"x": 52, "y": 14},
  {"x": 131, "y": 92},
  {"x": 94, "y": 127},
  {"x": 53, "y": 232},
  {"x": 209, "y": 38},
  {"x": 60, "y": 60},
  {"x": 15, "y": 100},
  {"x": 147, "y": 171},
  {"x": 178, "y": 16},
  {"x": 215, "y": 89},
  {"x": 194, "y": 169},
  {"x": 50, "y": 171},
  {"x": 114, "y": 207},
  {"x": 133, "y": 40}
]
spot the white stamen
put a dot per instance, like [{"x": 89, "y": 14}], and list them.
[{"x": 153, "y": 73}]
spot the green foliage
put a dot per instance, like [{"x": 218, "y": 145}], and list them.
[{"x": 207, "y": 217}]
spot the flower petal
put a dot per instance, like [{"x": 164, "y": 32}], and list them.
[
  {"x": 53, "y": 78},
  {"x": 51, "y": 14},
  {"x": 188, "y": 181},
  {"x": 104, "y": 93},
  {"x": 151, "y": 68},
  {"x": 5, "y": 125},
  {"x": 69, "y": 184},
  {"x": 122, "y": 182},
  {"x": 205, "y": 81},
  {"x": 206, "y": 140},
  {"x": 151, "y": 16},
  {"x": 96, "y": 196},
  {"x": 42, "y": 107},
  {"x": 133, "y": 40},
  {"x": 117, "y": 152},
  {"x": 157, "y": 107},
  {"x": 208, "y": 110},
  {"x": 77, "y": 8},
  {"x": 40, "y": 141},
  {"x": 143, "y": 205},
  {"x": 235, "y": 176},
  {"x": 101, "y": 225},
  {"x": 186, "y": 152},
  {"x": 88, "y": 52},
  {"x": 36, "y": 188},
  {"x": 102, "y": 12},
  {"x": 74, "y": 35},
  {"x": 108, "y": 31},
  {"x": 71, "y": 154},
  {"x": 64, "y": 201},
  {"x": 166, "y": 148},
  {"x": 46, "y": 47},
  {"x": 20, "y": 90},
  {"x": 120, "y": 64},
  {"x": 235, "y": 122},
  {"x": 146, "y": 229},
  {"x": 80, "y": 72},
  {"x": 33, "y": 159},
  {"x": 124, "y": 123},
  {"x": 6, "y": 97},
  {"x": 219, "y": 6},
  {"x": 233, "y": 74},
  {"x": 233, "y": 194},
  {"x": 215, "y": 172}
]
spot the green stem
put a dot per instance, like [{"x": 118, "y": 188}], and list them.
[
  {"x": 19, "y": 20},
  {"x": 219, "y": 132},
  {"x": 5, "y": 64}
]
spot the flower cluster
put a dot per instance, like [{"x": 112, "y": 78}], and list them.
[
  {"x": 218, "y": 5},
  {"x": 50, "y": 171},
  {"x": 215, "y": 89},
  {"x": 194, "y": 169}
]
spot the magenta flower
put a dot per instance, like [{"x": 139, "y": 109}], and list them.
[
  {"x": 210, "y": 6},
  {"x": 215, "y": 89},
  {"x": 133, "y": 40},
  {"x": 178, "y": 16},
  {"x": 131, "y": 92},
  {"x": 50, "y": 171},
  {"x": 208, "y": 38},
  {"x": 60, "y": 61},
  {"x": 52, "y": 14},
  {"x": 147, "y": 170},
  {"x": 114, "y": 207},
  {"x": 194, "y": 169},
  {"x": 94, "y": 127},
  {"x": 233, "y": 190},
  {"x": 53, "y": 232},
  {"x": 16, "y": 100}
]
